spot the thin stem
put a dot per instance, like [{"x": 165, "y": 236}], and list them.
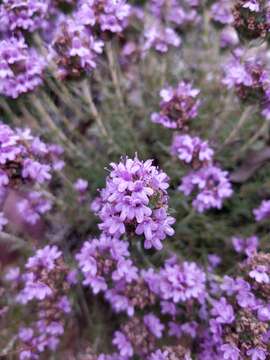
[
  {"x": 114, "y": 73},
  {"x": 88, "y": 95},
  {"x": 244, "y": 117}
]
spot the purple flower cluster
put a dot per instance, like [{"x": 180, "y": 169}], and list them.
[
  {"x": 75, "y": 49},
  {"x": 135, "y": 201},
  {"x": 172, "y": 11},
  {"x": 252, "y": 18},
  {"x": 263, "y": 211},
  {"x": 192, "y": 150},
  {"x": 160, "y": 38},
  {"x": 221, "y": 12},
  {"x": 23, "y": 15},
  {"x": 45, "y": 283},
  {"x": 178, "y": 106},
  {"x": 21, "y": 68},
  {"x": 246, "y": 246},
  {"x": 107, "y": 15},
  {"x": 239, "y": 317},
  {"x": 33, "y": 206},
  {"x": 105, "y": 261},
  {"x": 250, "y": 78},
  {"x": 24, "y": 157},
  {"x": 177, "y": 282},
  {"x": 211, "y": 186}
]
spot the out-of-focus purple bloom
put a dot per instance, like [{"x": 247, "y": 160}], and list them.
[
  {"x": 229, "y": 37},
  {"x": 33, "y": 206},
  {"x": 230, "y": 352},
  {"x": 221, "y": 12},
  {"x": 21, "y": 68},
  {"x": 75, "y": 49},
  {"x": 211, "y": 184},
  {"x": 263, "y": 211},
  {"x": 247, "y": 246},
  {"x": 123, "y": 344},
  {"x": 177, "y": 107},
  {"x": 154, "y": 325},
  {"x": 103, "y": 260},
  {"x": 257, "y": 354},
  {"x": 223, "y": 311},
  {"x": 18, "y": 15},
  {"x": 160, "y": 38},
  {"x": 260, "y": 275},
  {"x": 192, "y": 150},
  {"x": 109, "y": 15}
]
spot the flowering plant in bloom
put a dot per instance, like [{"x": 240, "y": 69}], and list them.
[
  {"x": 103, "y": 261},
  {"x": 135, "y": 201},
  {"x": 24, "y": 157},
  {"x": 75, "y": 49},
  {"x": 108, "y": 15},
  {"x": 211, "y": 186},
  {"x": 251, "y": 18},
  {"x": 23, "y": 15},
  {"x": 45, "y": 271},
  {"x": 192, "y": 150},
  {"x": 263, "y": 211},
  {"x": 250, "y": 78},
  {"x": 178, "y": 106},
  {"x": 160, "y": 38},
  {"x": 21, "y": 68}
]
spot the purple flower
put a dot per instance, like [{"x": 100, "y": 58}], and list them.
[
  {"x": 212, "y": 186},
  {"x": 123, "y": 344},
  {"x": 23, "y": 14},
  {"x": 103, "y": 260},
  {"x": 75, "y": 49},
  {"x": 177, "y": 107},
  {"x": 223, "y": 311},
  {"x": 257, "y": 354},
  {"x": 135, "y": 197},
  {"x": 263, "y": 211},
  {"x": 191, "y": 150},
  {"x": 178, "y": 282},
  {"x": 259, "y": 274},
  {"x": 230, "y": 352},
  {"x": 21, "y": 68},
  {"x": 154, "y": 325},
  {"x": 221, "y": 12},
  {"x": 160, "y": 38},
  {"x": 247, "y": 246},
  {"x": 45, "y": 257}
]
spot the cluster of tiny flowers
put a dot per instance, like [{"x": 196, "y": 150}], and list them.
[
  {"x": 135, "y": 201},
  {"x": 105, "y": 15},
  {"x": 46, "y": 286},
  {"x": 208, "y": 181},
  {"x": 250, "y": 79},
  {"x": 177, "y": 282},
  {"x": 211, "y": 186},
  {"x": 178, "y": 106},
  {"x": 21, "y": 68},
  {"x": 138, "y": 336},
  {"x": 24, "y": 157},
  {"x": 263, "y": 211},
  {"x": 160, "y": 38},
  {"x": 74, "y": 49},
  {"x": 192, "y": 150},
  {"x": 239, "y": 317},
  {"x": 246, "y": 246},
  {"x": 104, "y": 262},
  {"x": 172, "y": 11},
  {"x": 33, "y": 206},
  {"x": 221, "y": 12},
  {"x": 252, "y": 18},
  {"x": 23, "y": 15}
]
